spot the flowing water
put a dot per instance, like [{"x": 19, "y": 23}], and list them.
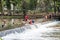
[{"x": 39, "y": 31}]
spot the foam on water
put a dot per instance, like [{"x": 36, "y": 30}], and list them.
[{"x": 32, "y": 32}]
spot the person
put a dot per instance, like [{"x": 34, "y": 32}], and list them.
[
  {"x": 46, "y": 17},
  {"x": 30, "y": 22},
  {"x": 26, "y": 17},
  {"x": 50, "y": 16},
  {"x": 3, "y": 24},
  {"x": 33, "y": 21}
]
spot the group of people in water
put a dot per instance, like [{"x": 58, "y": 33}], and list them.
[
  {"x": 26, "y": 20},
  {"x": 31, "y": 21},
  {"x": 12, "y": 22},
  {"x": 49, "y": 16}
]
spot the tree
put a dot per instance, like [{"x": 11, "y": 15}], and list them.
[
  {"x": 33, "y": 4},
  {"x": 8, "y": 4},
  {"x": 24, "y": 8},
  {"x": 54, "y": 6},
  {"x": 58, "y": 5},
  {"x": 16, "y": 5},
  {"x": 14, "y": 2},
  {"x": 47, "y": 4},
  {"x": 1, "y": 8}
]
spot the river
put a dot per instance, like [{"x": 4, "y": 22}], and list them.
[{"x": 39, "y": 31}]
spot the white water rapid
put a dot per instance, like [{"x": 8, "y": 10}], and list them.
[{"x": 39, "y": 31}]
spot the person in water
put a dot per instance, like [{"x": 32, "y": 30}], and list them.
[
  {"x": 26, "y": 17},
  {"x": 30, "y": 22},
  {"x": 33, "y": 21},
  {"x": 3, "y": 23}
]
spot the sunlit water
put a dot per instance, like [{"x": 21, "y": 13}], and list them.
[{"x": 39, "y": 31}]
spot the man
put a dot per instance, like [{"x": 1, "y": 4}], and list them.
[
  {"x": 3, "y": 24},
  {"x": 26, "y": 17},
  {"x": 30, "y": 21},
  {"x": 46, "y": 17}
]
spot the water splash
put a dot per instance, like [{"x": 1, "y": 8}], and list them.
[{"x": 32, "y": 32}]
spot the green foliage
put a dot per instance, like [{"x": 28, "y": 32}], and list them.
[
  {"x": 8, "y": 4},
  {"x": 58, "y": 3},
  {"x": 29, "y": 4},
  {"x": 33, "y": 4},
  {"x": 14, "y": 2}
]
